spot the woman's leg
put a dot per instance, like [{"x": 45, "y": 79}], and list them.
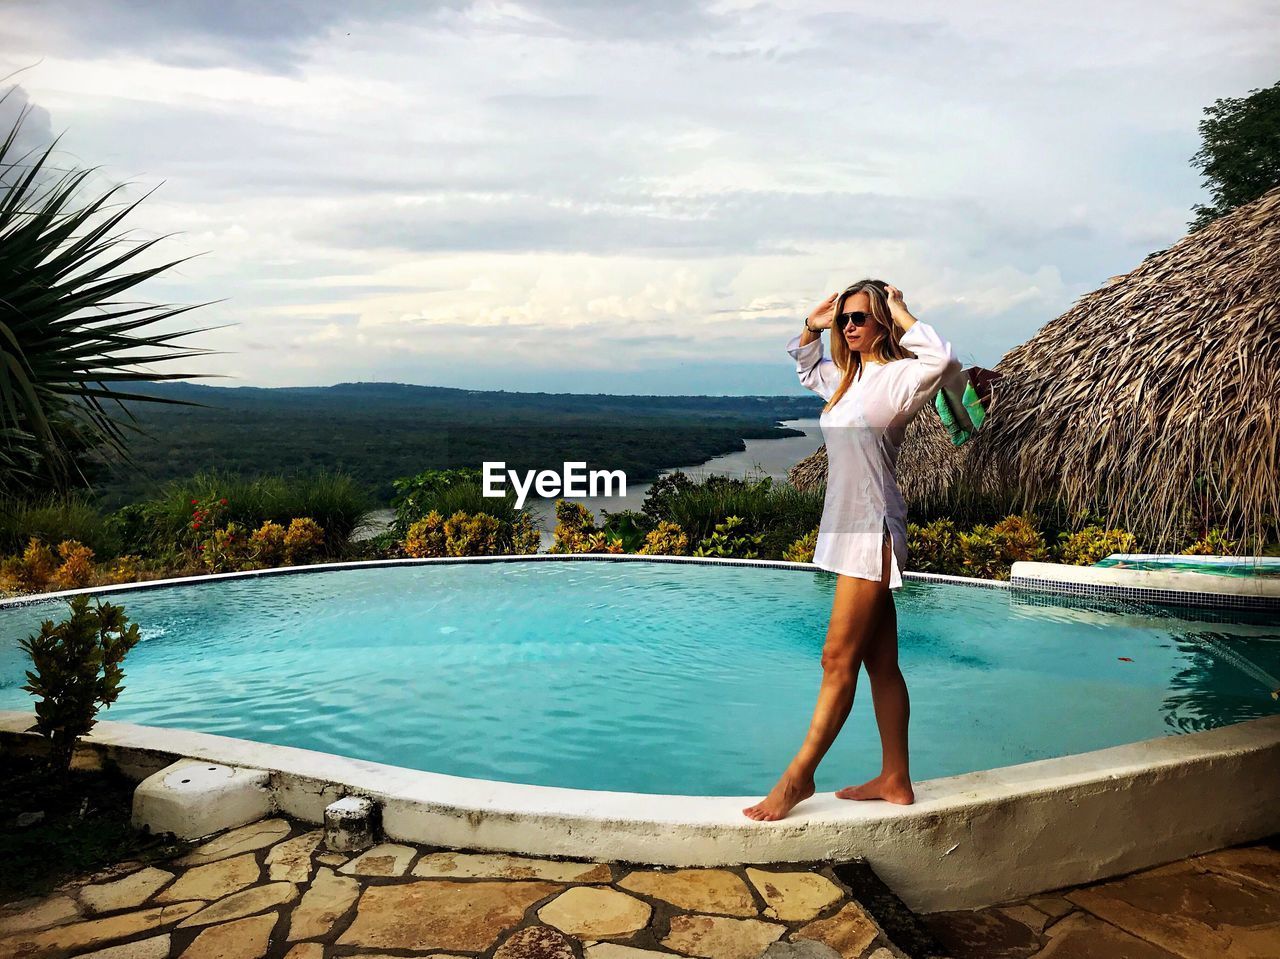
[
  {"x": 856, "y": 614},
  {"x": 893, "y": 713}
]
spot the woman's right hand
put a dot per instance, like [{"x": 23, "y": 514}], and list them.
[{"x": 824, "y": 314}]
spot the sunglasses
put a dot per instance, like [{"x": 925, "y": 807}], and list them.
[{"x": 858, "y": 318}]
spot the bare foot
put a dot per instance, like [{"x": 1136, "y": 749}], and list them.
[
  {"x": 781, "y": 799},
  {"x": 894, "y": 789}
]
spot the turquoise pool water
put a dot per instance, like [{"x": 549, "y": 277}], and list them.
[{"x": 647, "y": 677}]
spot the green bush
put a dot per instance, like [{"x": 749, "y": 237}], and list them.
[
  {"x": 76, "y": 670},
  {"x": 576, "y": 531},
  {"x": 777, "y": 512},
  {"x": 630, "y": 526},
  {"x": 731, "y": 540},
  {"x": 989, "y": 552},
  {"x": 448, "y": 492},
  {"x": 1086, "y": 546},
  {"x": 802, "y": 550},
  {"x": 469, "y": 534},
  {"x": 335, "y": 501},
  {"x": 935, "y": 548},
  {"x": 54, "y": 520},
  {"x": 665, "y": 539},
  {"x": 1215, "y": 542}
]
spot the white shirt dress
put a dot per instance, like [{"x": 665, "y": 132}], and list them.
[{"x": 863, "y": 433}]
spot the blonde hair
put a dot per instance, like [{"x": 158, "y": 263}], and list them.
[{"x": 884, "y": 336}]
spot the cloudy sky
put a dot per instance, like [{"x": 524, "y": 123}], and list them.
[{"x": 628, "y": 196}]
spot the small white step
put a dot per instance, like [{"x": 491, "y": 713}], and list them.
[{"x": 192, "y": 799}]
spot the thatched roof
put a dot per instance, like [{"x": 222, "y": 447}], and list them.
[
  {"x": 1164, "y": 376},
  {"x": 1167, "y": 375}
]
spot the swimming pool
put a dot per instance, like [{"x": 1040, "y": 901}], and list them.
[{"x": 649, "y": 677}]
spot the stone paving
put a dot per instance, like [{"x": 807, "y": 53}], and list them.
[
  {"x": 1224, "y": 905},
  {"x": 270, "y": 889}
]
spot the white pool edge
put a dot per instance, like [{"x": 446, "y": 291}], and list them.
[{"x": 969, "y": 841}]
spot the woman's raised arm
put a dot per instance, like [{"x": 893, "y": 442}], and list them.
[{"x": 816, "y": 372}]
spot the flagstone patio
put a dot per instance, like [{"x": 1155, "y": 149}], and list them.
[
  {"x": 270, "y": 889},
  {"x": 1224, "y": 905}
]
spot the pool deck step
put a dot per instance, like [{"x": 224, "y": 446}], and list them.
[{"x": 1162, "y": 587}]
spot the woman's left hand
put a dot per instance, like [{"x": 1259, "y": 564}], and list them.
[{"x": 897, "y": 308}]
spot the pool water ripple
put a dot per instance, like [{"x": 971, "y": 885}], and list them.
[{"x": 647, "y": 677}]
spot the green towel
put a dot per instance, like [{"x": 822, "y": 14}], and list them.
[{"x": 974, "y": 399}]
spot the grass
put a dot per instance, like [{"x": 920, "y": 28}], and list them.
[
  {"x": 337, "y": 502},
  {"x": 52, "y": 520}
]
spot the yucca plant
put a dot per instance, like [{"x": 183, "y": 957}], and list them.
[{"x": 68, "y": 341}]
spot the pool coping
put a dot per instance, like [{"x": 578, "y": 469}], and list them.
[
  {"x": 1163, "y": 587},
  {"x": 969, "y": 841}
]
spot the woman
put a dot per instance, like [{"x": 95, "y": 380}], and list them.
[{"x": 873, "y": 387}]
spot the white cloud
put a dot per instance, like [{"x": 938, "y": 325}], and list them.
[{"x": 536, "y": 190}]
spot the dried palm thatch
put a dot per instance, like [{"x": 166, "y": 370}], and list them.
[
  {"x": 1150, "y": 403},
  {"x": 811, "y": 472},
  {"x": 1152, "y": 400}
]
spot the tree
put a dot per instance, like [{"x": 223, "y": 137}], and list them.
[
  {"x": 68, "y": 341},
  {"x": 1240, "y": 151}
]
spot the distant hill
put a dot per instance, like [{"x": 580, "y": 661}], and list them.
[{"x": 381, "y": 431}]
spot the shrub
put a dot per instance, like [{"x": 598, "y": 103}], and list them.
[
  {"x": 469, "y": 534},
  {"x": 1021, "y": 540},
  {"x": 731, "y": 540},
  {"x": 266, "y": 545},
  {"x": 982, "y": 553},
  {"x": 576, "y": 531},
  {"x": 1086, "y": 546},
  {"x": 133, "y": 529},
  {"x": 206, "y": 518},
  {"x": 802, "y": 550},
  {"x": 777, "y": 511},
  {"x": 76, "y": 571},
  {"x": 666, "y": 539},
  {"x": 76, "y": 670},
  {"x": 990, "y": 551},
  {"x": 227, "y": 550},
  {"x": 425, "y": 539},
  {"x": 337, "y": 502},
  {"x": 935, "y": 548},
  {"x": 303, "y": 541},
  {"x": 32, "y": 571},
  {"x": 525, "y": 537},
  {"x": 1214, "y": 543},
  {"x": 124, "y": 569},
  {"x": 474, "y": 535},
  {"x": 629, "y": 526},
  {"x": 447, "y": 492}
]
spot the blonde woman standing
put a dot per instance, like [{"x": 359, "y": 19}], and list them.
[{"x": 885, "y": 367}]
